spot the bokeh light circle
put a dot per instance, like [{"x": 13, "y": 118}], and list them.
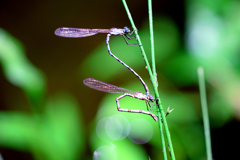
[
  {"x": 105, "y": 153},
  {"x": 140, "y": 131},
  {"x": 100, "y": 130},
  {"x": 112, "y": 128},
  {"x": 116, "y": 127}
]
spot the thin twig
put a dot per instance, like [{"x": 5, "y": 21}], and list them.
[
  {"x": 161, "y": 112},
  {"x": 203, "y": 97},
  {"x": 155, "y": 83},
  {"x": 138, "y": 38}
]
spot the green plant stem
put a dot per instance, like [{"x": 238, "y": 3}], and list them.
[
  {"x": 152, "y": 38},
  {"x": 161, "y": 113},
  {"x": 155, "y": 74},
  {"x": 203, "y": 97},
  {"x": 138, "y": 39},
  {"x": 162, "y": 138}
]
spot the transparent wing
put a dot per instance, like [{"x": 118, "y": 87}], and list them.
[
  {"x": 75, "y": 32},
  {"x": 105, "y": 87}
]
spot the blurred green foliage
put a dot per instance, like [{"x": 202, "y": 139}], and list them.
[
  {"x": 55, "y": 131},
  {"x": 19, "y": 70}
]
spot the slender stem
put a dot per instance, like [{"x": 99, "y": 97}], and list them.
[
  {"x": 167, "y": 132},
  {"x": 138, "y": 38},
  {"x": 203, "y": 97},
  {"x": 152, "y": 38},
  {"x": 154, "y": 82},
  {"x": 162, "y": 138}
]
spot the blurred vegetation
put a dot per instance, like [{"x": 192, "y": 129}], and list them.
[
  {"x": 54, "y": 129},
  {"x": 52, "y": 132}
]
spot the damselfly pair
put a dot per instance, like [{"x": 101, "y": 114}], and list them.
[{"x": 105, "y": 87}]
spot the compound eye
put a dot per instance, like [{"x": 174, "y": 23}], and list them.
[
  {"x": 151, "y": 98},
  {"x": 127, "y": 30}
]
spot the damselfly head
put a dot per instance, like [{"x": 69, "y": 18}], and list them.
[
  {"x": 126, "y": 29},
  {"x": 151, "y": 98}
]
